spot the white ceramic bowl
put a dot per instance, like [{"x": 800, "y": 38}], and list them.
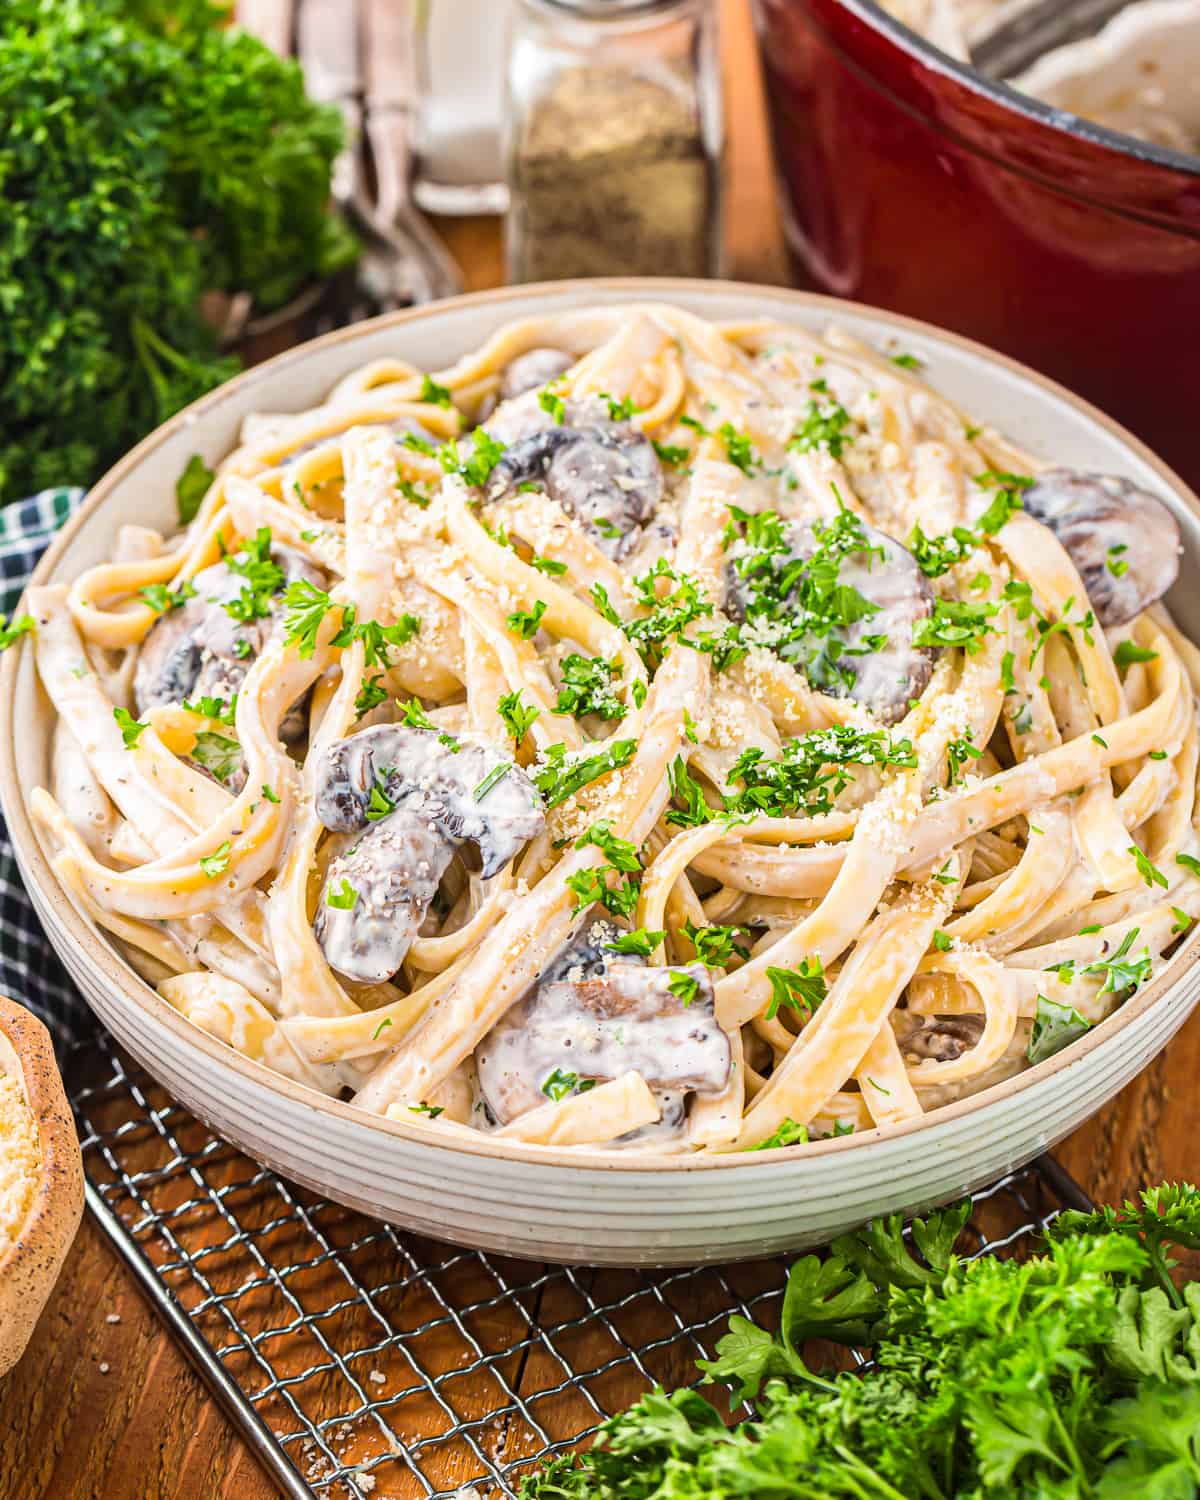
[{"x": 584, "y": 1206}]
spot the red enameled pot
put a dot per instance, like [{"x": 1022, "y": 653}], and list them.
[{"x": 911, "y": 182}]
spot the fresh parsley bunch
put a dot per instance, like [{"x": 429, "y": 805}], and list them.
[
  {"x": 1073, "y": 1375},
  {"x": 147, "y": 156}
]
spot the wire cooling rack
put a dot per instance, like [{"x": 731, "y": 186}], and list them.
[{"x": 357, "y": 1360}]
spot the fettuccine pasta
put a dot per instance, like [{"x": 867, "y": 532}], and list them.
[{"x": 643, "y": 732}]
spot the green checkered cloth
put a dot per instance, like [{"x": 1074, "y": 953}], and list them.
[{"x": 29, "y": 970}]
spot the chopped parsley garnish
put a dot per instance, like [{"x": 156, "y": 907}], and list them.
[
  {"x": 1054, "y": 1028},
  {"x": 191, "y": 487},
  {"x": 1121, "y": 972},
  {"x": 1149, "y": 872},
  {"x": 1007, "y": 681},
  {"x": 269, "y": 794},
  {"x": 906, "y": 361},
  {"x": 812, "y": 771},
  {"x": 434, "y": 394},
  {"x": 640, "y": 943},
  {"x": 620, "y": 853},
  {"x": 622, "y": 410},
  {"x": 377, "y": 638},
  {"x": 955, "y": 622},
  {"x": 1046, "y": 627},
  {"x": 1156, "y": 755},
  {"x": 1189, "y": 863},
  {"x": 685, "y": 789},
  {"x": 130, "y": 727},
  {"x": 936, "y": 555},
  {"x": 525, "y": 622},
  {"x": 1117, "y": 565},
  {"x": 787, "y": 1133},
  {"x": 371, "y": 694},
  {"x": 725, "y": 649},
  {"x": 563, "y": 774},
  {"x": 824, "y": 427},
  {"x": 739, "y": 450},
  {"x": 1182, "y": 920},
  {"x": 223, "y": 710},
  {"x": 475, "y": 468},
  {"x": 22, "y": 625},
  {"x": 587, "y": 687},
  {"x": 1128, "y": 652},
  {"x": 1008, "y": 488},
  {"x": 413, "y": 716},
  {"x": 685, "y": 987},
  {"x": 592, "y": 885},
  {"x": 497, "y": 773},
  {"x": 431, "y": 1110},
  {"x": 553, "y": 404},
  {"x": 559, "y": 1084},
  {"x": 548, "y": 565},
  {"x": 379, "y": 804},
  {"x": 163, "y": 600},
  {"x": 715, "y": 944},
  {"x": 666, "y": 618},
  {"x": 413, "y": 493},
  {"x": 306, "y": 607},
  {"x": 671, "y": 454},
  {"x": 218, "y": 754},
  {"x": 263, "y": 578},
  {"x": 803, "y": 988},
  {"x": 342, "y": 897},
  {"x": 217, "y": 862},
  {"x": 958, "y": 752},
  {"x": 799, "y": 605},
  {"x": 518, "y": 716},
  {"x": 942, "y": 941}
]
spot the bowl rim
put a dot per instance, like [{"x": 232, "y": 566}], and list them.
[
  {"x": 1063, "y": 121},
  {"x": 103, "y": 958}
]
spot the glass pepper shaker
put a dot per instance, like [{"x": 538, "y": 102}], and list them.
[{"x": 613, "y": 139}]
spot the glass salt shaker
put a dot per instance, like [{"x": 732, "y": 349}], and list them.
[
  {"x": 460, "y": 48},
  {"x": 613, "y": 139}
]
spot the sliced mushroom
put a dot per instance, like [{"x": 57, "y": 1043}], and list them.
[
  {"x": 1123, "y": 540},
  {"x": 536, "y": 367},
  {"x": 939, "y": 1038},
  {"x": 592, "y": 1017},
  {"x": 885, "y": 678},
  {"x": 605, "y": 473},
  {"x": 448, "y": 777},
  {"x": 200, "y": 650},
  {"x": 419, "y": 796},
  {"x": 384, "y": 882}
]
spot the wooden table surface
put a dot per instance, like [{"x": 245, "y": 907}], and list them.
[{"x": 104, "y": 1405}]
